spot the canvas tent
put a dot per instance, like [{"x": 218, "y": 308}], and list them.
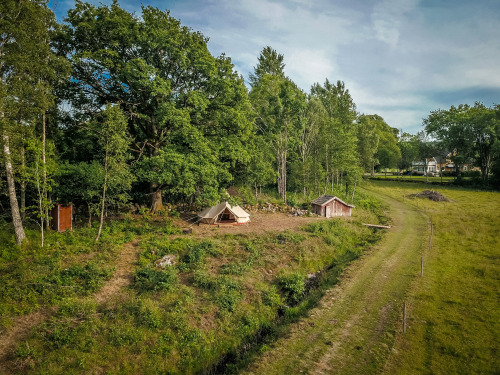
[{"x": 224, "y": 213}]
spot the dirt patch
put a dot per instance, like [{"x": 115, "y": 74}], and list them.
[
  {"x": 20, "y": 329},
  {"x": 122, "y": 275},
  {"x": 261, "y": 222},
  {"x": 432, "y": 195}
]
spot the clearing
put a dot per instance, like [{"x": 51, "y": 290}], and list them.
[{"x": 353, "y": 329}]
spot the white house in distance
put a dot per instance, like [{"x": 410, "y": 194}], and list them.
[{"x": 419, "y": 166}]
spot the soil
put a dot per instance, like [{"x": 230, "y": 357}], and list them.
[
  {"x": 261, "y": 222},
  {"x": 123, "y": 273},
  {"x": 20, "y": 329}
]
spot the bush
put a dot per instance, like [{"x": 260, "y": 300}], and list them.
[
  {"x": 293, "y": 286},
  {"x": 87, "y": 279},
  {"x": 147, "y": 279}
]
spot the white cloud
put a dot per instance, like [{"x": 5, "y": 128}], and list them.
[
  {"x": 387, "y": 16},
  {"x": 399, "y": 58}
]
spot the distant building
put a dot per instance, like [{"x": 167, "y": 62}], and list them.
[
  {"x": 331, "y": 206},
  {"x": 420, "y": 167}
]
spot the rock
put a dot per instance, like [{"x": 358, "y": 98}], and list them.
[{"x": 167, "y": 260}]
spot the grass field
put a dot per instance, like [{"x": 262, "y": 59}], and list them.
[{"x": 453, "y": 310}]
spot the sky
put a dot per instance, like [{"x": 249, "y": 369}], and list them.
[{"x": 400, "y": 59}]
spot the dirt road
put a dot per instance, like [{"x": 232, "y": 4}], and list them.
[{"x": 353, "y": 329}]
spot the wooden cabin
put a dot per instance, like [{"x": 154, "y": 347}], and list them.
[{"x": 331, "y": 206}]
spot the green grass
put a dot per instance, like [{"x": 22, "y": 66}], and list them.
[
  {"x": 454, "y": 318},
  {"x": 225, "y": 295}
]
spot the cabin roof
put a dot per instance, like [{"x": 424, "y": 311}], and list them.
[{"x": 325, "y": 199}]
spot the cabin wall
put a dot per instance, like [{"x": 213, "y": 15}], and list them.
[{"x": 332, "y": 209}]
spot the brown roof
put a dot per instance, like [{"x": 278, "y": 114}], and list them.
[{"x": 324, "y": 199}]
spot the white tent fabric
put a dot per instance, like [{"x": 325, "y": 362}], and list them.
[{"x": 212, "y": 215}]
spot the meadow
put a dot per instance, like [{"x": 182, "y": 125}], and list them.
[{"x": 453, "y": 316}]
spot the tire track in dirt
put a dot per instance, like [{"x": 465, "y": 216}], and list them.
[
  {"x": 122, "y": 276},
  {"x": 352, "y": 330}
]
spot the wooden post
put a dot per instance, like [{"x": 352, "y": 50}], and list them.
[
  {"x": 432, "y": 227},
  {"x": 404, "y": 317}
]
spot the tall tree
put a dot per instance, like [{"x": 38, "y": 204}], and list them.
[
  {"x": 187, "y": 111},
  {"x": 26, "y": 66},
  {"x": 368, "y": 141},
  {"x": 279, "y": 103},
  {"x": 339, "y": 136},
  {"x": 114, "y": 142},
  {"x": 269, "y": 62}
]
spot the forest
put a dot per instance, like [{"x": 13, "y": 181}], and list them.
[{"x": 109, "y": 109}]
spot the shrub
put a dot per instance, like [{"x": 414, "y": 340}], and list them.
[
  {"x": 293, "y": 286},
  {"x": 87, "y": 279},
  {"x": 203, "y": 280},
  {"x": 147, "y": 279},
  {"x": 147, "y": 313},
  {"x": 271, "y": 297}
]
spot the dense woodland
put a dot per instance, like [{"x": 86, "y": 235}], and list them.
[{"x": 110, "y": 108}]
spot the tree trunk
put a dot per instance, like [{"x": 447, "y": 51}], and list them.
[
  {"x": 23, "y": 186},
  {"x": 14, "y": 207},
  {"x": 156, "y": 199},
  {"x": 103, "y": 203},
  {"x": 90, "y": 215},
  {"x": 44, "y": 164}
]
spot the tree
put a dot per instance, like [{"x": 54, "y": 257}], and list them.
[
  {"x": 41, "y": 168},
  {"x": 113, "y": 140},
  {"x": 269, "y": 62},
  {"x": 26, "y": 66},
  {"x": 187, "y": 111},
  {"x": 368, "y": 141},
  {"x": 388, "y": 153},
  {"x": 468, "y": 132},
  {"x": 408, "y": 145},
  {"x": 279, "y": 103},
  {"x": 338, "y": 138}
]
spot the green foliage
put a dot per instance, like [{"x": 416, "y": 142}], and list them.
[
  {"x": 150, "y": 279},
  {"x": 228, "y": 293},
  {"x": 271, "y": 297},
  {"x": 85, "y": 279},
  {"x": 293, "y": 286},
  {"x": 471, "y": 132}
]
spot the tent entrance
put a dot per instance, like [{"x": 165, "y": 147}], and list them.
[{"x": 226, "y": 217}]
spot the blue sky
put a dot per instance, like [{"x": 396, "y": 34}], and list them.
[{"x": 399, "y": 59}]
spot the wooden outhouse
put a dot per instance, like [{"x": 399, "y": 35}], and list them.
[
  {"x": 331, "y": 206},
  {"x": 62, "y": 217}
]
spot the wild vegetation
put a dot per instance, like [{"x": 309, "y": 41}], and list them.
[{"x": 211, "y": 309}]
